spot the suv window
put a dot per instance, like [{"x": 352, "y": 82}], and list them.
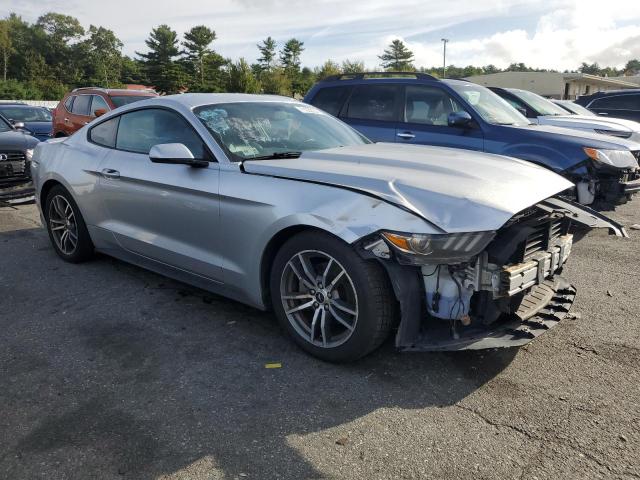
[
  {"x": 617, "y": 102},
  {"x": 81, "y": 105},
  {"x": 98, "y": 103},
  {"x": 428, "y": 105},
  {"x": 104, "y": 134},
  {"x": 373, "y": 102},
  {"x": 330, "y": 99},
  {"x": 140, "y": 130},
  {"x": 68, "y": 104}
]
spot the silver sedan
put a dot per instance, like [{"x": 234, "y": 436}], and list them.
[{"x": 278, "y": 205}]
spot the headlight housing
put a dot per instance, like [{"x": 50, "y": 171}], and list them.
[
  {"x": 448, "y": 248},
  {"x": 28, "y": 154},
  {"x": 613, "y": 158}
]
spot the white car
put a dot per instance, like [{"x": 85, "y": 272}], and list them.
[{"x": 544, "y": 112}]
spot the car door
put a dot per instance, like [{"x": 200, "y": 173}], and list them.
[
  {"x": 618, "y": 106},
  {"x": 98, "y": 104},
  {"x": 164, "y": 212},
  {"x": 80, "y": 113},
  {"x": 426, "y": 120},
  {"x": 373, "y": 110}
]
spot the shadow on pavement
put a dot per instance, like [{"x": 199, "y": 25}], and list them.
[{"x": 110, "y": 371}]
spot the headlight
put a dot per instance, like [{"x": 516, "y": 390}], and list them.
[
  {"x": 29, "y": 154},
  {"x": 613, "y": 158},
  {"x": 438, "y": 248}
]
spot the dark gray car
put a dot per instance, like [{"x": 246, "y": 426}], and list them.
[{"x": 16, "y": 150}]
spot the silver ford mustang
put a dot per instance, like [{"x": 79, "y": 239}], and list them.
[{"x": 278, "y": 205}]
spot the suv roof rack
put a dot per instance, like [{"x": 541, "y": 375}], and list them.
[
  {"x": 364, "y": 75},
  {"x": 89, "y": 88}
]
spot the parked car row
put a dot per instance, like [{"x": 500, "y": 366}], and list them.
[
  {"x": 420, "y": 109},
  {"x": 280, "y": 205}
]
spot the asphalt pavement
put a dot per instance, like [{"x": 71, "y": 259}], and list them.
[{"x": 108, "y": 371}]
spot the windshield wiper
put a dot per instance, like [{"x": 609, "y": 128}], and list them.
[{"x": 276, "y": 155}]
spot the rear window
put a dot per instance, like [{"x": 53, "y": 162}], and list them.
[
  {"x": 120, "y": 100},
  {"x": 68, "y": 104},
  {"x": 373, "y": 102},
  {"x": 617, "y": 102},
  {"x": 330, "y": 99},
  {"x": 81, "y": 105}
]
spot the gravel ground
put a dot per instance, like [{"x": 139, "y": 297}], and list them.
[{"x": 109, "y": 371}]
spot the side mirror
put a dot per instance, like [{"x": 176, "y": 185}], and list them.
[
  {"x": 99, "y": 112},
  {"x": 17, "y": 125},
  {"x": 522, "y": 110},
  {"x": 459, "y": 119},
  {"x": 175, "y": 153}
]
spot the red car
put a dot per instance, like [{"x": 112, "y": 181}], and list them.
[{"x": 82, "y": 105}]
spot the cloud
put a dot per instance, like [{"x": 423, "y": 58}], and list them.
[{"x": 554, "y": 34}]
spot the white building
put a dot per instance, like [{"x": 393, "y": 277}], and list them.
[{"x": 552, "y": 85}]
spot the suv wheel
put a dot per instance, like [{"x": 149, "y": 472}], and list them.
[{"x": 334, "y": 304}]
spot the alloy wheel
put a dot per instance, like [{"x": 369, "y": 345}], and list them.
[
  {"x": 63, "y": 226},
  {"x": 319, "y": 298}
]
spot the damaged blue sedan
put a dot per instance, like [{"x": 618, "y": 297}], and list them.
[{"x": 281, "y": 206}]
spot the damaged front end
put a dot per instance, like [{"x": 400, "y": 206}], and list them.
[{"x": 484, "y": 289}]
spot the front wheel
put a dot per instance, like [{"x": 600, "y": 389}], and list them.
[{"x": 334, "y": 304}]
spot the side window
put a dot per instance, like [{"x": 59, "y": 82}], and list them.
[
  {"x": 330, "y": 99},
  {"x": 617, "y": 102},
  {"x": 98, "y": 103},
  {"x": 428, "y": 105},
  {"x": 140, "y": 130},
  {"x": 81, "y": 105},
  {"x": 373, "y": 102},
  {"x": 68, "y": 104},
  {"x": 104, "y": 134}
]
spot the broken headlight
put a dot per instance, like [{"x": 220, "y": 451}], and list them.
[
  {"x": 447, "y": 248},
  {"x": 613, "y": 158}
]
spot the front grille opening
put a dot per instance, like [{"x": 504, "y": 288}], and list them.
[
  {"x": 13, "y": 165},
  {"x": 544, "y": 235}
]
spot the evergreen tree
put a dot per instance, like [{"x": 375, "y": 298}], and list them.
[
  {"x": 240, "y": 78},
  {"x": 268, "y": 53},
  {"x": 197, "y": 43},
  {"x": 397, "y": 57},
  {"x": 352, "y": 66},
  {"x": 163, "y": 71},
  {"x": 327, "y": 69},
  {"x": 6, "y": 46},
  {"x": 290, "y": 55}
]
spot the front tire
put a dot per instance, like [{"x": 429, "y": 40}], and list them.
[
  {"x": 335, "y": 305},
  {"x": 66, "y": 227}
]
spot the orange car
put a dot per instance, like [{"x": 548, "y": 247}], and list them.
[{"x": 82, "y": 105}]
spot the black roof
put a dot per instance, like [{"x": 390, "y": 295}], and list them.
[{"x": 374, "y": 75}]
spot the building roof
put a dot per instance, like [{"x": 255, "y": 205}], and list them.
[{"x": 567, "y": 77}]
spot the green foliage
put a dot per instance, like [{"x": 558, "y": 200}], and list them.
[
  {"x": 202, "y": 63},
  {"x": 240, "y": 78},
  {"x": 352, "y": 66},
  {"x": 397, "y": 57},
  {"x": 162, "y": 68},
  {"x": 327, "y": 69},
  {"x": 267, "y": 53}
]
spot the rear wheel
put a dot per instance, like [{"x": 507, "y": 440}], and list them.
[
  {"x": 334, "y": 304},
  {"x": 67, "y": 231}
]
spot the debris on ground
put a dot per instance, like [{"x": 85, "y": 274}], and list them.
[
  {"x": 609, "y": 293},
  {"x": 573, "y": 316},
  {"x": 342, "y": 441},
  {"x": 635, "y": 226},
  {"x": 272, "y": 365}
]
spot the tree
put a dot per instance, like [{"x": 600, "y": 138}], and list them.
[
  {"x": 352, "y": 66},
  {"x": 268, "y": 53},
  {"x": 163, "y": 71},
  {"x": 6, "y": 46},
  {"x": 592, "y": 69},
  {"x": 397, "y": 57},
  {"x": 104, "y": 58},
  {"x": 632, "y": 67},
  {"x": 240, "y": 78},
  {"x": 57, "y": 38},
  {"x": 290, "y": 55},
  {"x": 197, "y": 42},
  {"x": 275, "y": 82},
  {"x": 329, "y": 68}
]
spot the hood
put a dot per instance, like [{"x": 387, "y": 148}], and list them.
[
  {"x": 455, "y": 190},
  {"x": 15, "y": 140},
  {"x": 586, "y": 122},
  {"x": 583, "y": 138},
  {"x": 40, "y": 128}
]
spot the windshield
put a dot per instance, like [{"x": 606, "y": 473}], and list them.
[
  {"x": 577, "y": 109},
  {"x": 488, "y": 105},
  {"x": 120, "y": 100},
  {"x": 26, "y": 114},
  {"x": 540, "y": 104},
  {"x": 4, "y": 125},
  {"x": 249, "y": 130}
]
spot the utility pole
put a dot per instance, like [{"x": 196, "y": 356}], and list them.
[{"x": 444, "y": 57}]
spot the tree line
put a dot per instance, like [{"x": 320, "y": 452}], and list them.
[{"x": 44, "y": 59}]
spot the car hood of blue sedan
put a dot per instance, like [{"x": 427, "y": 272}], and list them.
[{"x": 456, "y": 190}]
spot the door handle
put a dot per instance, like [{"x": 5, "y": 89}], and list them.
[
  {"x": 110, "y": 173},
  {"x": 66, "y": 119},
  {"x": 406, "y": 135}
]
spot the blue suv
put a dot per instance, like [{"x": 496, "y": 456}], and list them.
[{"x": 418, "y": 108}]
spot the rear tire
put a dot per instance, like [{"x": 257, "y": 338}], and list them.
[
  {"x": 335, "y": 305},
  {"x": 66, "y": 227}
]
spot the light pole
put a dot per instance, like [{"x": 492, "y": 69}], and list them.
[{"x": 444, "y": 56}]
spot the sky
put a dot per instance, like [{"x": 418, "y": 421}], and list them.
[{"x": 557, "y": 34}]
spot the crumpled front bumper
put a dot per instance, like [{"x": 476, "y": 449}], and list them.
[
  {"x": 543, "y": 308},
  {"x": 16, "y": 192}
]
